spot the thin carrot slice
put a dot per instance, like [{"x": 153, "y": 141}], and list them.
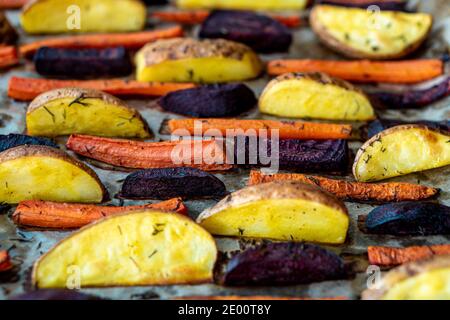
[
  {"x": 387, "y": 256},
  {"x": 8, "y": 56},
  {"x": 286, "y": 129},
  {"x": 53, "y": 215},
  {"x": 26, "y": 89},
  {"x": 134, "y": 40},
  {"x": 356, "y": 191},
  {"x": 406, "y": 71},
  {"x": 208, "y": 155}
]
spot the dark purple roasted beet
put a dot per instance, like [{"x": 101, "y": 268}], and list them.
[
  {"x": 377, "y": 126},
  {"x": 82, "y": 63},
  {"x": 13, "y": 140},
  {"x": 412, "y": 98},
  {"x": 54, "y": 294},
  {"x": 409, "y": 218},
  {"x": 395, "y": 5},
  {"x": 259, "y": 32},
  {"x": 210, "y": 100},
  {"x": 303, "y": 155},
  {"x": 184, "y": 182},
  {"x": 285, "y": 263}
]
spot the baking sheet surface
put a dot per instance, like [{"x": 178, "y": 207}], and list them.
[{"x": 27, "y": 245}]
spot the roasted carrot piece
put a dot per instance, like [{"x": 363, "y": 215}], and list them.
[
  {"x": 8, "y": 56},
  {"x": 26, "y": 89},
  {"x": 198, "y": 16},
  {"x": 387, "y": 256},
  {"x": 5, "y": 261},
  {"x": 11, "y": 4},
  {"x": 356, "y": 191},
  {"x": 53, "y": 215},
  {"x": 406, "y": 71},
  {"x": 208, "y": 155},
  {"x": 128, "y": 40},
  {"x": 286, "y": 129}
]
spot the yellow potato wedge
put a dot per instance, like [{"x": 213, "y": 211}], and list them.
[
  {"x": 244, "y": 4},
  {"x": 360, "y": 33},
  {"x": 71, "y": 16},
  {"x": 401, "y": 150},
  {"x": 200, "y": 61},
  {"x": 421, "y": 280},
  {"x": 83, "y": 111},
  {"x": 138, "y": 248},
  {"x": 286, "y": 210},
  {"x": 44, "y": 173},
  {"x": 314, "y": 95}
]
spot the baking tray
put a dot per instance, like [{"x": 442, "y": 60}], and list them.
[{"x": 27, "y": 245}]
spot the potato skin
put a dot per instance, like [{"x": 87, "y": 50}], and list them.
[
  {"x": 285, "y": 263},
  {"x": 380, "y": 125},
  {"x": 259, "y": 32},
  {"x": 82, "y": 63},
  {"x": 168, "y": 183},
  {"x": 409, "y": 218},
  {"x": 216, "y": 100},
  {"x": 13, "y": 140}
]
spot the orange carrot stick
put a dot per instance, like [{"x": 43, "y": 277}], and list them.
[
  {"x": 387, "y": 256},
  {"x": 406, "y": 71},
  {"x": 286, "y": 129},
  {"x": 8, "y": 56},
  {"x": 198, "y": 16},
  {"x": 206, "y": 155},
  {"x": 12, "y": 4},
  {"x": 5, "y": 261},
  {"x": 53, "y": 215},
  {"x": 356, "y": 191},
  {"x": 26, "y": 89},
  {"x": 128, "y": 40}
]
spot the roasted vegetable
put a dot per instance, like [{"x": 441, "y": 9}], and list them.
[
  {"x": 5, "y": 261},
  {"x": 379, "y": 125},
  {"x": 217, "y": 100},
  {"x": 12, "y": 4},
  {"x": 54, "y": 215},
  {"x": 13, "y": 140},
  {"x": 285, "y": 263},
  {"x": 356, "y": 191},
  {"x": 259, "y": 32},
  {"x": 240, "y": 127},
  {"x": 314, "y": 95},
  {"x": 256, "y": 298},
  {"x": 387, "y": 256},
  {"x": 134, "y": 40},
  {"x": 8, "y": 35},
  {"x": 244, "y": 4},
  {"x": 30, "y": 88},
  {"x": 45, "y": 173},
  {"x": 87, "y": 16},
  {"x": 166, "y": 183},
  {"x": 285, "y": 210},
  {"x": 411, "y": 98},
  {"x": 395, "y": 5},
  {"x": 55, "y": 294},
  {"x": 409, "y": 218},
  {"x": 405, "y": 71},
  {"x": 401, "y": 150},
  {"x": 149, "y": 248},
  {"x": 201, "y": 61},
  {"x": 359, "y": 33},
  {"x": 421, "y": 280},
  {"x": 82, "y": 63},
  {"x": 8, "y": 56},
  {"x": 73, "y": 110},
  {"x": 208, "y": 155}
]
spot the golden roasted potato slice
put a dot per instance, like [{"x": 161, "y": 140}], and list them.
[
  {"x": 244, "y": 4},
  {"x": 202, "y": 61},
  {"x": 84, "y": 111},
  {"x": 360, "y": 33},
  {"x": 420, "y": 280},
  {"x": 43, "y": 173},
  {"x": 138, "y": 248},
  {"x": 59, "y": 16},
  {"x": 401, "y": 150},
  {"x": 314, "y": 95},
  {"x": 285, "y": 210}
]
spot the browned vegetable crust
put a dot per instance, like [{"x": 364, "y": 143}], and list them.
[
  {"x": 8, "y": 35},
  {"x": 388, "y": 256},
  {"x": 44, "y": 151}
]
